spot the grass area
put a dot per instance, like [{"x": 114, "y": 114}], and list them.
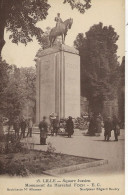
[{"x": 35, "y": 162}]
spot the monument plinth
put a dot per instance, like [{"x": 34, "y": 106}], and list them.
[{"x": 58, "y": 82}]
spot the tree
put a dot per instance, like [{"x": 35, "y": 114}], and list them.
[
  {"x": 4, "y": 80},
  {"x": 12, "y": 98},
  {"x": 28, "y": 88},
  {"x": 99, "y": 64},
  {"x": 4, "y": 70},
  {"x": 121, "y": 91},
  {"x": 80, "y": 6},
  {"x": 17, "y": 91},
  {"x": 19, "y": 17}
]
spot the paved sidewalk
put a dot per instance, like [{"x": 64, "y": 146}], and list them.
[{"x": 94, "y": 147}]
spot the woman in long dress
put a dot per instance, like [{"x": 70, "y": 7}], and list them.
[{"x": 70, "y": 126}]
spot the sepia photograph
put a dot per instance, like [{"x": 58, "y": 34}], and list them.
[{"x": 62, "y": 97}]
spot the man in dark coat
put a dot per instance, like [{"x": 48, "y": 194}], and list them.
[
  {"x": 43, "y": 126},
  {"x": 70, "y": 126},
  {"x": 23, "y": 127},
  {"x": 107, "y": 128},
  {"x": 116, "y": 127}
]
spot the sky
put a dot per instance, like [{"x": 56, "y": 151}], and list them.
[{"x": 109, "y": 12}]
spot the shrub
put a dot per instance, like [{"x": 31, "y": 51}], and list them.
[
  {"x": 2, "y": 167},
  {"x": 16, "y": 168},
  {"x": 10, "y": 144}
]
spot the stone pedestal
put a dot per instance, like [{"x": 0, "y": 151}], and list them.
[{"x": 58, "y": 82}]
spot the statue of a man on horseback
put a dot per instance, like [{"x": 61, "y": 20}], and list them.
[
  {"x": 58, "y": 20},
  {"x": 60, "y": 29}
]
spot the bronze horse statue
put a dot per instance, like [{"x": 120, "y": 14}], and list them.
[{"x": 60, "y": 30}]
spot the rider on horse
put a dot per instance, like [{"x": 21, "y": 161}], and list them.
[
  {"x": 58, "y": 20},
  {"x": 60, "y": 29}
]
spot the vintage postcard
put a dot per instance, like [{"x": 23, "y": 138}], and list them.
[{"x": 62, "y": 97}]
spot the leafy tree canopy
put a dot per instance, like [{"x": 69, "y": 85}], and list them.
[
  {"x": 19, "y": 17},
  {"x": 121, "y": 91},
  {"x": 81, "y": 6},
  {"x": 99, "y": 64},
  {"x": 17, "y": 89},
  {"x": 4, "y": 77}
]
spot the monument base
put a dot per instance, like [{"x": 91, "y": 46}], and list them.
[{"x": 58, "y": 82}]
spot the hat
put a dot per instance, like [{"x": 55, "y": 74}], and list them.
[{"x": 53, "y": 114}]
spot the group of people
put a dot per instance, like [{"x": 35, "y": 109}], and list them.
[
  {"x": 22, "y": 125},
  {"x": 43, "y": 126},
  {"x": 109, "y": 125},
  {"x": 96, "y": 123},
  {"x": 95, "y": 126}
]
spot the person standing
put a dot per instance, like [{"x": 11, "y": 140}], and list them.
[
  {"x": 107, "y": 128},
  {"x": 116, "y": 127},
  {"x": 30, "y": 125},
  {"x": 70, "y": 126},
  {"x": 16, "y": 126},
  {"x": 43, "y": 126},
  {"x": 55, "y": 125},
  {"x": 23, "y": 127},
  {"x": 98, "y": 125}
]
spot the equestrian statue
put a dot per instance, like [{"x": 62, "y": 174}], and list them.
[{"x": 60, "y": 29}]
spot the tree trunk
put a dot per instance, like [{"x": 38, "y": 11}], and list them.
[
  {"x": 2, "y": 41},
  {"x": 3, "y": 15}
]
